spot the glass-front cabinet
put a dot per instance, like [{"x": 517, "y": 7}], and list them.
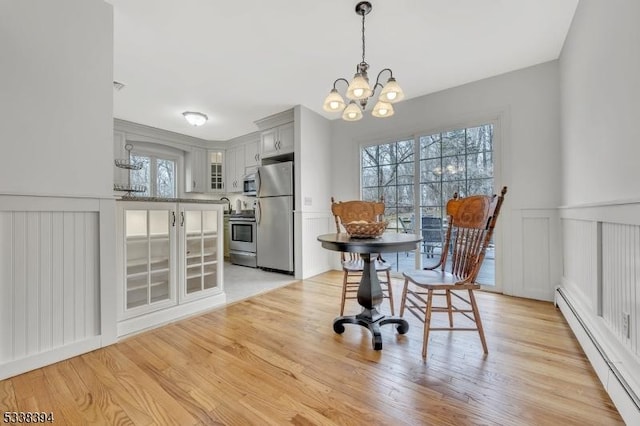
[
  {"x": 149, "y": 257},
  {"x": 201, "y": 249},
  {"x": 171, "y": 254}
]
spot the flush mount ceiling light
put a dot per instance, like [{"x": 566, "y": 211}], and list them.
[
  {"x": 195, "y": 118},
  {"x": 359, "y": 91}
]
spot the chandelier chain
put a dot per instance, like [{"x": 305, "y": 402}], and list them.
[{"x": 363, "y": 37}]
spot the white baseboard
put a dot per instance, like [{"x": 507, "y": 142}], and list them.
[
  {"x": 617, "y": 372},
  {"x": 31, "y": 362}
]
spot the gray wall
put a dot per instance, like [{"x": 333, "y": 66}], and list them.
[
  {"x": 56, "y": 105},
  {"x": 599, "y": 69}
]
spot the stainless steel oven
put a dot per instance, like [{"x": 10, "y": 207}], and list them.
[{"x": 242, "y": 243}]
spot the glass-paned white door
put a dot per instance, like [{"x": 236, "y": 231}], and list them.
[{"x": 418, "y": 176}]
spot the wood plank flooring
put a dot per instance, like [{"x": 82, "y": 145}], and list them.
[{"x": 274, "y": 359}]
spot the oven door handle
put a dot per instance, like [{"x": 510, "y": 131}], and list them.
[{"x": 258, "y": 212}]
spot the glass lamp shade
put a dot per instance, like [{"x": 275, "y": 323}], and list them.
[
  {"x": 391, "y": 92},
  {"x": 382, "y": 110},
  {"x": 333, "y": 102},
  {"x": 359, "y": 88},
  {"x": 195, "y": 118},
  {"x": 352, "y": 112}
]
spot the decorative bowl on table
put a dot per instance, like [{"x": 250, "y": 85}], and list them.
[{"x": 363, "y": 229}]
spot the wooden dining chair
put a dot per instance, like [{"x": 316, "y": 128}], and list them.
[
  {"x": 352, "y": 264},
  {"x": 471, "y": 221}
]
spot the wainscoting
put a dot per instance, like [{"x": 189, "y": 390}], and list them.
[
  {"x": 315, "y": 259},
  {"x": 51, "y": 300},
  {"x": 600, "y": 294}
]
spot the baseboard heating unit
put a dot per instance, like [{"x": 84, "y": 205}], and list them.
[{"x": 622, "y": 394}]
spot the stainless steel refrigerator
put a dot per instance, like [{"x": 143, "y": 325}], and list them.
[{"x": 274, "y": 216}]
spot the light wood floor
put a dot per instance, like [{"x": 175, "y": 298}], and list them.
[{"x": 274, "y": 359}]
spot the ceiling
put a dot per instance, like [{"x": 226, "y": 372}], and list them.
[{"x": 239, "y": 61}]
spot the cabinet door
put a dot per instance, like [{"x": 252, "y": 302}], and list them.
[
  {"x": 235, "y": 169},
  {"x": 252, "y": 154},
  {"x": 240, "y": 154},
  {"x": 195, "y": 170},
  {"x": 285, "y": 138},
  {"x": 201, "y": 250},
  {"x": 149, "y": 258},
  {"x": 268, "y": 142},
  {"x": 216, "y": 171}
]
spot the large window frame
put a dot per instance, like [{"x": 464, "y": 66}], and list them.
[{"x": 419, "y": 207}]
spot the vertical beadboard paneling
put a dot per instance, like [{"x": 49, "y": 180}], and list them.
[
  {"x": 19, "y": 285},
  {"x": 580, "y": 262},
  {"x": 32, "y": 273},
  {"x": 45, "y": 274},
  {"x": 620, "y": 271},
  {"x": 49, "y": 281},
  {"x": 6, "y": 290},
  {"x": 92, "y": 276},
  {"x": 57, "y": 278}
]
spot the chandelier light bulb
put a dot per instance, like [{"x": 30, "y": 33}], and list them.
[
  {"x": 359, "y": 88},
  {"x": 352, "y": 112},
  {"x": 391, "y": 92},
  {"x": 333, "y": 102},
  {"x": 382, "y": 110}
]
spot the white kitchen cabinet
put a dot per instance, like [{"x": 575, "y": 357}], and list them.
[
  {"x": 149, "y": 257},
  {"x": 252, "y": 154},
  {"x": 277, "y": 141},
  {"x": 195, "y": 170},
  {"x": 201, "y": 250},
  {"x": 216, "y": 171},
  {"x": 170, "y": 258},
  {"x": 235, "y": 168}
]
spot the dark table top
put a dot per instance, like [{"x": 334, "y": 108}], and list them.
[{"x": 388, "y": 242}]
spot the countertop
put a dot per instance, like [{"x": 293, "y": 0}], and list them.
[{"x": 172, "y": 200}]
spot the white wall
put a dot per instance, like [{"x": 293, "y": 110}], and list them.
[
  {"x": 313, "y": 165},
  {"x": 56, "y": 105},
  {"x": 600, "y": 65},
  {"x": 56, "y": 203},
  {"x": 526, "y": 105},
  {"x": 600, "y": 96}
]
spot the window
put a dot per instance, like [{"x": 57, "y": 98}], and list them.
[
  {"x": 157, "y": 174},
  {"x": 418, "y": 176}
]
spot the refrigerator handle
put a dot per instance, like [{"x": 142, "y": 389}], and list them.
[{"x": 258, "y": 212}]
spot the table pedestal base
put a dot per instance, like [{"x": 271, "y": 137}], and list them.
[{"x": 371, "y": 319}]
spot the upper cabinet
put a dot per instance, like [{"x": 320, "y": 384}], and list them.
[
  {"x": 216, "y": 171},
  {"x": 195, "y": 166},
  {"x": 277, "y": 141},
  {"x": 252, "y": 154},
  {"x": 235, "y": 168},
  {"x": 277, "y": 134}
]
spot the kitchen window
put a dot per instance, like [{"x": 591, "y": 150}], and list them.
[{"x": 158, "y": 174}]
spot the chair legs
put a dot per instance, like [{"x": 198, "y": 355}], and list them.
[{"x": 423, "y": 308}]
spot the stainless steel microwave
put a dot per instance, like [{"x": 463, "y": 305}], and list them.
[{"x": 249, "y": 185}]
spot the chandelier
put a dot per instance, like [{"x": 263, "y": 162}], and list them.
[{"x": 359, "y": 92}]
